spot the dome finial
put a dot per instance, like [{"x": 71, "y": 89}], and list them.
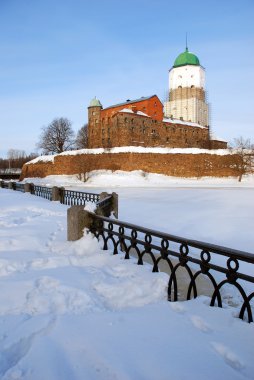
[
  {"x": 186, "y": 42},
  {"x": 95, "y": 103}
]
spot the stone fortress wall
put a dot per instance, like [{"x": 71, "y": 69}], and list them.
[{"x": 172, "y": 164}]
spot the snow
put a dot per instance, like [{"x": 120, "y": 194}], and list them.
[
  {"x": 214, "y": 137},
  {"x": 69, "y": 310},
  {"x": 133, "y": 149},
  {"x": 48, "y": 158},
  {"x": 178, "y": 121},
  {"x": 138, "y": 178},
  {"x": 128, "y": 110},
  {"x": 140, "y": 149}
]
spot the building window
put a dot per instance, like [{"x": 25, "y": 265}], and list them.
[
  {"x": 179, "y": 86},
  {"x": 167, "y": 139},
  {"x": 103, "y": 131}
]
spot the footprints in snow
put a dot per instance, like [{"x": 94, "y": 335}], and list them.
[
  {"x": 53, "y": 235},
  {"x": 229, "y": 357}
]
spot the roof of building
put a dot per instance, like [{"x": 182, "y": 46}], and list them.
[
  {"x": 95, "y": 103},
  {"x": 131, "y": 101},
  {"x": 128, "y": 110},
  {"x": 186, "y": 58},
  {"x": 178, "y": 121}
]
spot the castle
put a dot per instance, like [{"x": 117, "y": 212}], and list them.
[{"x": 183, "y": 122}]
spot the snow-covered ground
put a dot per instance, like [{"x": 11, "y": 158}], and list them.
[
  {"x": 214, "y": 210},
  {"x": 71, "y": 311}
]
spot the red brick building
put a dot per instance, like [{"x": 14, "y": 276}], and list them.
[{"x": 141, "y": 122}]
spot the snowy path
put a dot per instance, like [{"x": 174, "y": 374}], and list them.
[{"x": 71, "y": 311}]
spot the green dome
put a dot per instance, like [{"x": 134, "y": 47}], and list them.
[
  {"x": 186, "y": 58},
  {"x": 95, "y": 103}
]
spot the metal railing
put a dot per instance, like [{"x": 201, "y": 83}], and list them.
[
  {"x": 19, "y": 187},
  {"x": 201, "y": 263},
  {"x": 42, "y": 191},
  {"x": 5, "y": 185},
  {"x": 74, "y": 198}
]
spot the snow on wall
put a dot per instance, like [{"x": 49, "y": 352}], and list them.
[
  {"x": 49, "y": 158},
  {"x": 140, "y": 149}
]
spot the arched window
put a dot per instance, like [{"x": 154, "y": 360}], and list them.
[
  {"x": 192, "y": 86},
  {"x": 179, "y": 86}
]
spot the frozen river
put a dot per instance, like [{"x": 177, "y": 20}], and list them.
[{"x": 218, "y": 215}]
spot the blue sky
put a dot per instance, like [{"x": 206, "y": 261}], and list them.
[{"x": 57, "y": 55}]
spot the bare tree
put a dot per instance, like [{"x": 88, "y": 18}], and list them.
[
  {"x": 244, "y": 150},
  {"x": 57, "y": 137},
  {"x": 14, "y": 156},
  {"x": 82, "y": 137}
]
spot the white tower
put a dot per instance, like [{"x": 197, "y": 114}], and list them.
[{"x": 187, "y": 90}]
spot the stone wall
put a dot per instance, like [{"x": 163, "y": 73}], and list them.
[{"x": 172, "y": 164}]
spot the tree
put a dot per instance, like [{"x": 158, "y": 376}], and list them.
[
  {"x": 82, "y": 137},
  {"x": 57, "y": 137},
  {"x": 15, "y": 156},
  {"x": 244, "y": 150}
]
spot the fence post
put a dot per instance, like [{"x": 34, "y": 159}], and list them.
[
  {"x": 56, "y": 193},
  {"x": 115, "y": 204},
  {"x": 11, "y": 186},
  {"x": 1, "y": 183},
  {"x": 27, "y": 187},
  {"x": 77, "y": 220}
]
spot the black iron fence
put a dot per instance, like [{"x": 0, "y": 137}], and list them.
[
  {"x": 19, "y": 187},
  {"x": 42, "y": 191},
  {"x": 192, "y": 265},
  {"x": 77, "y": 198},
  {"x": 5, "y": 185}
]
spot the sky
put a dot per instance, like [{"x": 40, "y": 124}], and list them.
[{"x": 57, "y": 55}]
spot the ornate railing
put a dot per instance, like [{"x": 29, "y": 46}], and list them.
[
  {"x": 42, "y": 191},
  {"x": 5, "y": 185},
  {"x": 74, "y": 198},
  {"x": 191, "y": 265},
  {"x": 19, "y": 187}
]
